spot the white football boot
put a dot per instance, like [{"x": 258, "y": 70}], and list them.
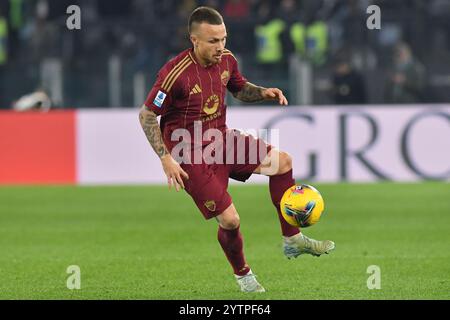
[
  {"x": 248, "y": 283},
  {"x": 301, "y": 244}
]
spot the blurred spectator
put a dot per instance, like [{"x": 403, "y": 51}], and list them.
[
  {"x": 236, "y": 9},
  {"x": 348, "y": 84},
  {"x": 15, "y": 15},
  {"x": 308, "y": 31},
  {"x": 269, "y": 48},
  {"x": 288, "y": 11},
  {"x": 179, "y": 39},
  {"x": 263, "y": 10},
  {"x": 41, "y": 35},
  {"x": 236, "y": 14},
  {"x": 439, "y": 13},
  {"x": 407, "y": 82},
  {"x": 346, "y": 19},
  {"x": 38, "y": 101},
  {"x": 114, "y": 8},
  {"x": 311, "y": 41}
]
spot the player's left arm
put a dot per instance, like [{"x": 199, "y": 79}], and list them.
[{"x": 254, "y": 93}]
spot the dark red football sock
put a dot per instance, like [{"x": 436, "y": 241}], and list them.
[
  {"x": 232, "y": 245},
  {"x": 277, "y": 186}
]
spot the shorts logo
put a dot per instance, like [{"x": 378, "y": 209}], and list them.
[
  {"x": 224, "y": 77},
  {"x": 210, "y": 205},
  {"x": 159, "y": 99}
]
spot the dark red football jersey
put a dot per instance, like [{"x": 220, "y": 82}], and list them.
[{"x": 186, "y": 92}]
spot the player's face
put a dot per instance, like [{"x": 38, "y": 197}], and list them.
[{"x": 209, "y": 42}]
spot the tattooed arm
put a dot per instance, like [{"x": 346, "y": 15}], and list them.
[
  {"x": 250, "y": 93},
  {"x": 172, "y": 169},
  {"x": 253, "y": 93},
  {"x": 152, "y": 131}
]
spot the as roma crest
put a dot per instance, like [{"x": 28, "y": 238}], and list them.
[{"x": 210, "y": 205}]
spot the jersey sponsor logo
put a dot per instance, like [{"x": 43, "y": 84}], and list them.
[
  {"x": 196, "y": 89},
  {"x": 225, "y": 77},
  {"x": 211, "y": 105},
  {"x": 159, "y": 99},
  {"x": 210, "y": 205},
  {"x": 211, "y": 117}
]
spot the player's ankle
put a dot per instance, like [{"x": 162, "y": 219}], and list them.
[
  {"x": 240, "y": 275},
  {"x": 293, "y": 237}
]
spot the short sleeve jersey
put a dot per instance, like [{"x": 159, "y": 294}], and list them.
[{"x": 186, "y": 92}]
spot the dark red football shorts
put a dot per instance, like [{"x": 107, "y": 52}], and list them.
[{"x": 208, "y": 183}]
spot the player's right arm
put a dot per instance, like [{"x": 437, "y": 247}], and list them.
[
  {"x": 152, "y": 131},
  {"x": 159, "y": 100},
  {"x": 171, "y": 168}
]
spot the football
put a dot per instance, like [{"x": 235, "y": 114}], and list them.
[{"x": 302, "y": 205}]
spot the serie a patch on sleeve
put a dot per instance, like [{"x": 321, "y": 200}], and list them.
[{"x": 159, "y": 99}]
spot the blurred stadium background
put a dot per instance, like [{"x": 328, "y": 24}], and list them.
[
  {"x": 368, "y": 123},
  {"x": 112, "y": 60}
]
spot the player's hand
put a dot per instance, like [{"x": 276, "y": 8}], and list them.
[
  {"x": 174, "y": 172},
  {"x": 275, "y": 94}
]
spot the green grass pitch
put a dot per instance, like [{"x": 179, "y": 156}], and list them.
[{"x": 148, "y": 243}]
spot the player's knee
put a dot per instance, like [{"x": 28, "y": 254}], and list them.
[
  {"x": 230, "y": 223},
  {"x": 285, "y": 162}
]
